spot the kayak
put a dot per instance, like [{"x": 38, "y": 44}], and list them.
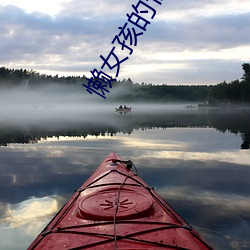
[{"x": 116, "y": 209}]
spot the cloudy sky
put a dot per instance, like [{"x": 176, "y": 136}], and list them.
[{"x": 187, "y": 42}]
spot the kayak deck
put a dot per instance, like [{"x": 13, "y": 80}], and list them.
[{"x": 116, "y": 209}]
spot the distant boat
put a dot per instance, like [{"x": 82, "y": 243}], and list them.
[{"x": 125, "y": 110}]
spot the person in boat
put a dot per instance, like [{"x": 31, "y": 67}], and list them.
[
  {"x": 125, "y": 106},
  {"x": 120, "y": 107}
]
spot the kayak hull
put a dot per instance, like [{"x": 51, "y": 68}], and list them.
[{"x": 116, "y": 209}]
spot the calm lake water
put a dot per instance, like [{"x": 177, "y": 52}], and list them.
[{"x": 197, "y": 160}]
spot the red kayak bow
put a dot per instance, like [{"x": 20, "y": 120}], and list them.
[{"x": 116, "y": 209}]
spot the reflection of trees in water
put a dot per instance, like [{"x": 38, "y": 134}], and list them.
[
  {"x": 237, "y": 122},
  {"x": 246, "y": 141},
  {"x": 16, "y": 137}
]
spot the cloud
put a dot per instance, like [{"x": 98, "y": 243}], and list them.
[
  {"x": 29, "y": 211},
  {"x": 26, "y": 220},
  {"x": 54, "y": 43},
  {"x": 95, "y": 8},
  {"x": 187, "y": 35},
  {"x": 229, "y": 204}
]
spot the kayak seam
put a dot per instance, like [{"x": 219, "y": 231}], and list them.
[
  {"x": 106, "y": 174},
  {"x": 111, "y": 184},
  {"x": 119, "y": 222},
  {"x": 128, "y": 237}
]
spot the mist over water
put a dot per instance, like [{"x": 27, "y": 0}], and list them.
[
  {"x": 49, "y": 102},
  {"x": 59, "y": 102}
]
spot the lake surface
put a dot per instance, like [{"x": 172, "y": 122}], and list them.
[{"x": 198, "y": 160}]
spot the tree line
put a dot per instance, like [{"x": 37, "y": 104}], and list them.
[
  {"x": 236, "y": 91},
  {"x": 31, "y": 78}
]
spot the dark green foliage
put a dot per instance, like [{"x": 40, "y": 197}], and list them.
[
  {"x": 246, "y": 75},
  {"x": 220, "y": 94},
  {"x": 233, "y": 92},
  {"x": 31, "y": 78}
]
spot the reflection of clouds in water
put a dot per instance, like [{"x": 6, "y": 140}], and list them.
[
  {"x": 29, "y": 212},
  {"x": 236, "y": 157},
  {"x": 152, "y": 144},
  {"x": 77, "y": 157},
  {"x": 228, "y": 239},
  {"x": 2, "y": 209},
  {"x": 22, "y": 222},
  {"x": 174, "y": 143},
  {"x": 183, "y": 139},
  {"x": 228, "y": 203},
  {"x": 188, "y": 143}
]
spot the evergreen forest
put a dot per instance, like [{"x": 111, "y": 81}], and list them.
[{"x": 224, "y": 93}]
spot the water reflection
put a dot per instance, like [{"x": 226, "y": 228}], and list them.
[
  {"x": 20, "y": 222},
  {"x": 195, "y": 166},
  {"x": 111, "y": 123},
  {"x": 33, "y": 209}
]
